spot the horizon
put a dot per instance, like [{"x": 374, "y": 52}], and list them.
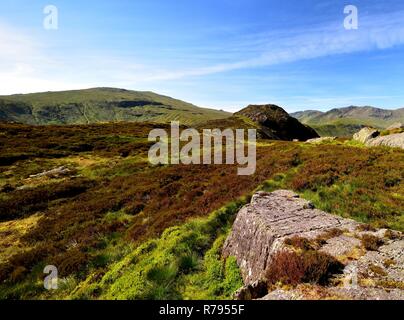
[
  {"x": 210, "y": 107},
  {"x": 219, "y": 55}
]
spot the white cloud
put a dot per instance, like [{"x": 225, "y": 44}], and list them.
[
  {"x": 375, "y": 32},
  {"x": 26, "y": 64}
]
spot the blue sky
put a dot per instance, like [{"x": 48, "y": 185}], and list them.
[{"x": 223, "y": 54}]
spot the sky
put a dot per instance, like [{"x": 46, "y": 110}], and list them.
[{"x": 222, "y": 54}]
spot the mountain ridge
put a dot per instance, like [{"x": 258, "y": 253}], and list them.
[
  {"x": 348, "y": 120},
  {"x": 102, "y": 104}
]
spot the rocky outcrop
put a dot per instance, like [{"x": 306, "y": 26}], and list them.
[
  {"x": 392, "y": 140},
  {"x": 366, "y": 134},
  {"x": 321, "y": 140},
  {"x": 371, "y": 137},
  {"x": 56, "y": 172},
  {"x": 276, "y": 123},
  {"x": 264, "y": 228}
]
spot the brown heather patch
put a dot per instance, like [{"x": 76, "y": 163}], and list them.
[
  {"x": 309, "y": 266},
  {"x": 371, "y": 242}
]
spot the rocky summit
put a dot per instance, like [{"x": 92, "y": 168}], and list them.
[
  {"x": 371, "y": 261},
  {"x": 277, "y": 123}
]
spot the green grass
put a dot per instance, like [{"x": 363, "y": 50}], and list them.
[{"x": 184, "y": 263}]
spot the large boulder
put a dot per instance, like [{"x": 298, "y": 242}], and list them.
[
  {"x": 264, "y": 228},
  {"x": 392, "y": 140},
  {"x": 371, "y": 137},
  {"x": 277, "y": 123},
  {"x": 366, "y": 134}
]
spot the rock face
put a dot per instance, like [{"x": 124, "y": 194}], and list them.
[
  {"x": 263, "y": 226},
  {"x": 277, "y": 123},
  {"x": 371, "y": 138},
  {"x": 392, "y": 140},
  {"x": 366, "y": 134}
]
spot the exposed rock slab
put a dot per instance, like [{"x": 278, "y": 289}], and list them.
[
  {"x": 60, "y": 171},
  {"x": 260, "y": 231},
  {"x": 321, "y": 140},
  {"x": 392, "y": 140},
  {"x": 371, "y": 137},
  {"x": 366, "y": 134}
]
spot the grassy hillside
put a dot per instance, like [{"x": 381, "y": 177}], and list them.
[
  {"x": 347, "y": 121},
  {"x": 100, "y": 105},
  {"x": 337, "y": 129},
  {"x": 117, "y": 227}
]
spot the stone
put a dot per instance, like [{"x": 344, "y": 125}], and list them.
[
  {"x": 261, "y": 228},
  {"x": 392, "y": 140},
  {"x": 321, "y": 140},
  {"x": 60, "y": 171},
  {"x": 366, "y": 134}
]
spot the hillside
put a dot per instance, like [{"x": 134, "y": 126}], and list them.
[
  {"x": 346, "y": 121},
  {"x": 100, "y": 105},
  {"x": 118, "y": 227}
]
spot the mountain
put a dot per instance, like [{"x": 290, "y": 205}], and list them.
[
  {"x": 100, "y": 105},
  {"x": 346, "y": 121},
  {"x": 276, "y": 123},
  {"x": 304, "y": 116}
]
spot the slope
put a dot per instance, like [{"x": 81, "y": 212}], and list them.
[{"x": 100, "y": 105}]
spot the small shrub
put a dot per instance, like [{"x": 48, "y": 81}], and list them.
[
  {"x": 389, "y": 234},
  {"x": 285, "y": 267},
  {"x": 18, "y": 274},
  {"x": 188, "y": 262},
  {"x": 371, "y": 242},
  {"x": 389, "y": 262},
  {"x": 319, "y": 266},
  {"x": 365, "y": 227},
  {"x": 69, "y": 262},
  {"x": 310, "y": 266},
  {"x": 377, "y": 270},
  {"x": 333, "y": 233},
  {"x": 300, "y": 243},
  {"x": 162, "y": 274}
]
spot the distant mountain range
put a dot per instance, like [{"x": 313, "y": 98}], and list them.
[
  {"x": 110, "y": 104},
  {"x": 101, "y": 105},
  {"x": 346, "y": 121}
]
